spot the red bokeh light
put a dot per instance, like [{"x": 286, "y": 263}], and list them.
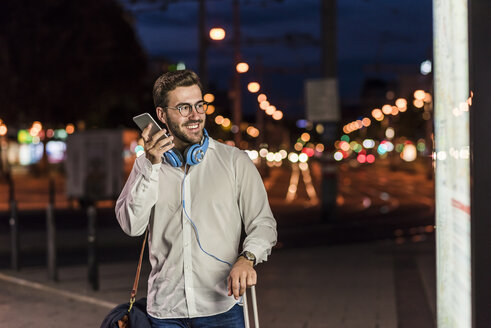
[{"x": 361, "y": 158}]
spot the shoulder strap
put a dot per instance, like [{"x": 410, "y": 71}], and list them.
[{"x": 138, "y": 269}]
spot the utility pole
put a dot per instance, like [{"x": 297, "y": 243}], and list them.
[
  {"x": 329, "y": 74},
  {"x": 203, "y": 44},
  {"x": 236, "y": 88}
]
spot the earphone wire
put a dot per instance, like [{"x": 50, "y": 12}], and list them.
[{"x": 192, "y": 223}]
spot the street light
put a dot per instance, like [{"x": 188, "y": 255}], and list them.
[
  {"x": 262, "y": 97},
  {"x": 253, "y": 87},
  {"x": 217, "y": 34},
  {"x": 270, "y": 110},
  {"x": 242, "y": 67},
  {"x": 278, "y": 115},
  {"x": 264, "y": 104}
]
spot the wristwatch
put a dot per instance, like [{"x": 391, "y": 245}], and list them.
[{"x": 249, "y": 256}]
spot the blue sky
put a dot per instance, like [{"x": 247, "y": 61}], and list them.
[{"x": 369, "y": 32}]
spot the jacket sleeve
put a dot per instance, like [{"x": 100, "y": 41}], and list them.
[
  {"x": 138, "y": 196},
  {"x": 259, "y": 223}
]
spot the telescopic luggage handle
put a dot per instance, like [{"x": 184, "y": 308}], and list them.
[{"x": 254, "y": 308}]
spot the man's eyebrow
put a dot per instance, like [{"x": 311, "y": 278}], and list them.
[
  {"x": 182, "y": 103},
  {"x": 186, "y": 103}
]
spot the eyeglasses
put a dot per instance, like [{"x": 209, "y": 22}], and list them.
[{"x": 186, "y": 109}]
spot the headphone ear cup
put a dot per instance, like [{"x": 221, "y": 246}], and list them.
[
  {"x": 174, "y": 158},
  {"x": 192, "y": 154}
]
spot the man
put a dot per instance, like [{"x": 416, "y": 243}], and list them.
[{"x": 195, "y": 213}]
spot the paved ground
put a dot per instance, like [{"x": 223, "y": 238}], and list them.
[{"x": 377, "y": 284}]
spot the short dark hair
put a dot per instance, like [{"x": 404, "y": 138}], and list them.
[{"x": 170, "y": 81}]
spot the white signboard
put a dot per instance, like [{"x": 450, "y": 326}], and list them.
[
  {"x": 94, "y": 164},
  {"x": 322, "y": 100},
  {"x": 452, "y": 163}
]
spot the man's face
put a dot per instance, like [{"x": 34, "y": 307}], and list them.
[{"x": 186, "y": 130}]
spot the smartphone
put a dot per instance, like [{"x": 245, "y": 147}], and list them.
[{"x": 143, "y": 120}]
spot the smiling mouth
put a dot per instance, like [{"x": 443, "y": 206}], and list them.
[{"x": 192, "y": 126}]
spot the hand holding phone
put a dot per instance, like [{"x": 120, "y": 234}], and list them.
[{"x": 156, "y": 141}]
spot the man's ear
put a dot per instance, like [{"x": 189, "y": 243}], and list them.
[{"x": 161, "y": 115}]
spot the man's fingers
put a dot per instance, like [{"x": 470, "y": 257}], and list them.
[
  {"x": 159, "y": 134},
  {"x": 251, "y": 279},
  {"x": 229, "y": 286},
  {"x": 236, "y": 287},
  {"x": 151, "y": 142},
  {"x": 243, "y": 284},
  {"x": 165, "y": 143},
  {"x": 146, "y": 132}
]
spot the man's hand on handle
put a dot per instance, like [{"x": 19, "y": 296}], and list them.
[
  {"x": 154, "y": 146},
  {"x": 241, "y": 276}
]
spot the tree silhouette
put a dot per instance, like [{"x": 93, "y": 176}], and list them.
[{"x": 64, "y": 61}]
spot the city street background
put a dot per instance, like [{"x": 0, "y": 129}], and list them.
[{"x": 374, "y": 266}]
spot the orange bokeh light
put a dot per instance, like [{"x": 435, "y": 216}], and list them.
[
  {"x": 387, "y": 109},
  {"x": 253, "y": 87},
  {"x": 270, "y": 110},
  {"x": 209, "y": 97},
  {"x": 376, "y": 113},
  {"x": 419, "y": 94},
  {"x": 264, "y": 104},
  {"x": 401, "y": 103},
  {"x": 242, "y": 67},
  {"x": 217, "y": 33},
  {"x": 70, "y": 128},
  {"x": 210, "y": 109},
  {"x": 278, "y": 115}
]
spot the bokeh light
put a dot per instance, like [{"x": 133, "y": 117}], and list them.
[
  {"x": 253, "y": 87},
  {"x": 278, "y": 115},
  {"x": 242, "y": 67},
  {"x": 418, "y": 103},
  {"x": 209, "y": 97},
  {"x": 419, "y": 94},
  {"x": 387, "y": 109},
  {"x": 70, "y": 128},
  {"x": 217, "y": 33},
  {"x": 219, "y": 119},
  {"x": 390, "y": 133},
  {"x": 338, "y": 156},
  {"x": 293, "y": 157},
  {"x": 303, "y": 158},
  {"x": 305, "y": 137},
  {"x": 210, "y": 109}
]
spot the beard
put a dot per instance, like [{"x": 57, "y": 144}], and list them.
[{"x": 180, "y": 133}]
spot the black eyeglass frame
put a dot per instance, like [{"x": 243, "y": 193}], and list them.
[{"x": 195, "y": 106}]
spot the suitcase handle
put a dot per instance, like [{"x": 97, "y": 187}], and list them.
[{"x": 254, "y": 308}]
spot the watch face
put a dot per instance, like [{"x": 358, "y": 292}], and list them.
[{"x": 248, "y": 255}]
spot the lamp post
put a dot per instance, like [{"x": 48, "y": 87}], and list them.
[{"x": 237, "y": 92}]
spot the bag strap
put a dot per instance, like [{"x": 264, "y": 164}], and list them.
[{"x": 137, "y": 276}]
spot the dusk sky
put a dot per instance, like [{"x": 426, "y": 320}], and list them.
[{"x": 370, "y": 32}]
